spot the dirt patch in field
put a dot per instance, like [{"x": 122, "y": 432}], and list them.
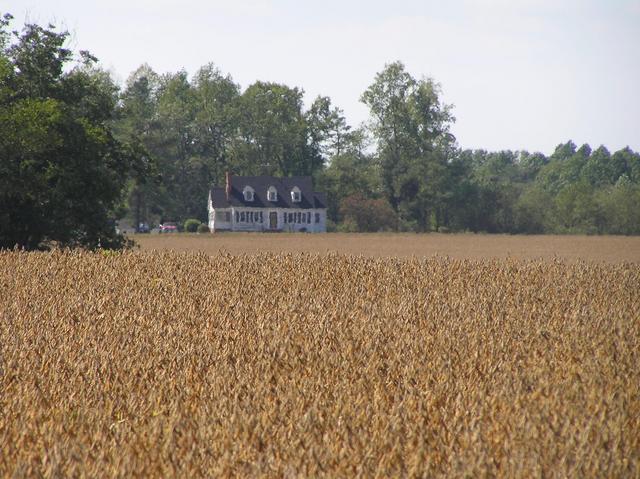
[{"x": 610, "y": 249}]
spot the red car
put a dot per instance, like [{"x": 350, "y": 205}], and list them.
[{"x": 168, "y": 228}]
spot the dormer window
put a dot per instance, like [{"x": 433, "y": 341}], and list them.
[
  {"x": 296, "y": 195},
  {"x": 272, "y": 194},
  {"x": 248, "y": 193}
]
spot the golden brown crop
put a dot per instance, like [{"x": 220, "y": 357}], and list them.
[
  {"x": 162, "y": 364},
  {"x": 609, "y": 249}
]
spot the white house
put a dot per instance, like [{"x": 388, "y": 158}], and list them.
[{"x": 267, "y": 203}]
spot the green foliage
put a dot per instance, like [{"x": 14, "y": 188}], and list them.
[
  {"x": 330, "y": 135},
  {"x": 533, "y": 211},
  {"x": 569, "y": 192},
  {"x": 71, "y": 144},
  {"x": 62, "y": 172},
  {"x": 405, "y": 165},
  {"x": 351, "y": 172},
  {"x": 198, "y": 129},
  {"x": 366, "y": 214},
  {"x": 203, "y": 228},
  {"x": 273, "y": 131},
  {"x": 620, "y": 207},
  {"x": 332, "y": 227},
  {"x": 191, "y": 225},
  {"x": 411, "y": 128}
]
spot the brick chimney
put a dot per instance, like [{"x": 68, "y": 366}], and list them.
[{"x": 228, "y": 184}]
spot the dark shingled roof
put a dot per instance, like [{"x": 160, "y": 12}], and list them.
[{"x": 260, "y": 185}]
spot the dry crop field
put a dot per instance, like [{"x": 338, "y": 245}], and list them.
[
  {"x": 287, "y": 365},
  {"x": 612, "y": 249}
]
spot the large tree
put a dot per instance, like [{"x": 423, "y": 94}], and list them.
[
  {"x": 135, "y": 122},
  {"x": 328, "y": 129},
  {"x": 273, "y": 133},
  {"x": 188, "y": 127},
  {"x": 411, "y": 128},
  {"x": 62, "y": 172},
  {"x": 215, "y": 123},
  {"x": 351, "y": 172}
]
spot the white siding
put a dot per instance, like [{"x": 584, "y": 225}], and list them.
[{"x": 217, "y": 221}]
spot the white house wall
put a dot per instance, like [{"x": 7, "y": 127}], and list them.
[{"x": 233, "y": 225}]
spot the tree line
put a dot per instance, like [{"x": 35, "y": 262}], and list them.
[
  {"x": 401, "y": 171},
  {"x": 151, "y": 150}
]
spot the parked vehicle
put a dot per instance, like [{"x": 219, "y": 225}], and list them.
[{"x": 168, "y": 227}]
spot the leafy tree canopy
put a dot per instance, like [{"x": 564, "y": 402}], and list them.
[
  {"x": 75, "y": 153},
  {"x": 62, "y": 171}
]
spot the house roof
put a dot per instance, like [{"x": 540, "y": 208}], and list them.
[{"x": 260, "y": 185}]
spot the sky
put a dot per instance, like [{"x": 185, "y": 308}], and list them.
[{"x": 521, "y": 74}]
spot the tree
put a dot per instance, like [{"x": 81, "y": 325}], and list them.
[
  {"x": 497, "y": 177},
  {"x": 135, "y": 117},
  {"x": 367, "y": 214},
  {"x": 463, "y": 205},
  {"x": 620, "y": 205},
  {"x": 631, "y": 162},
  {"x": 328, "y": 129},
  {"x": 273, "y": 134},
  {"x": 56, "y": 145},
  {"x": 576, "y": 209},
  {"x": 565, "y": 167},
  {"x": 603, "y": 170},
  {"x": 411, "y": 128},
  {"x": 215, "y": 124},
  {"x": 174, "y": 145},
  {"x": 531, "y": 164},
  {"x": 533, "y": 211},
  {"x": 188, "y": 128}
]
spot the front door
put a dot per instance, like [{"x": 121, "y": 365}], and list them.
[{"x": 273, "y": 220}]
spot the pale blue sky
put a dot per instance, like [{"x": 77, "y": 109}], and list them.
[{"x": 523, "y": 74}]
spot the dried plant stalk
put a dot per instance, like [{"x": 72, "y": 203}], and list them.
[{"x": 162, "y": 364}]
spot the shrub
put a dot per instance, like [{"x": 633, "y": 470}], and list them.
[
  {"x": 347, "y": 226},
  {"x": 191, "y": 225},
  {"x": 407, "y": 226},
  {"x": 368, "y": 214},
  {"x": 203, "y": 228}
]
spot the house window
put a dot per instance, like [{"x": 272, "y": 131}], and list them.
[
  {"x": 272, "y": 194},
  {"x": 227, "y": 216},
  {"x": 261, "y": 220},
  {"x": 237, "y": 217},
  {"x": 308, "y": 217},
  {"x": 248, "y": 193},
  {"x": 285, "y": 217},
  {"x": 220, "y": 215},
  {"x": 317, "y": 217},
  {"x": 290, "y": 217},
  {"x": 243, "y": 217},
  {"x": 296, "y": 195}
]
